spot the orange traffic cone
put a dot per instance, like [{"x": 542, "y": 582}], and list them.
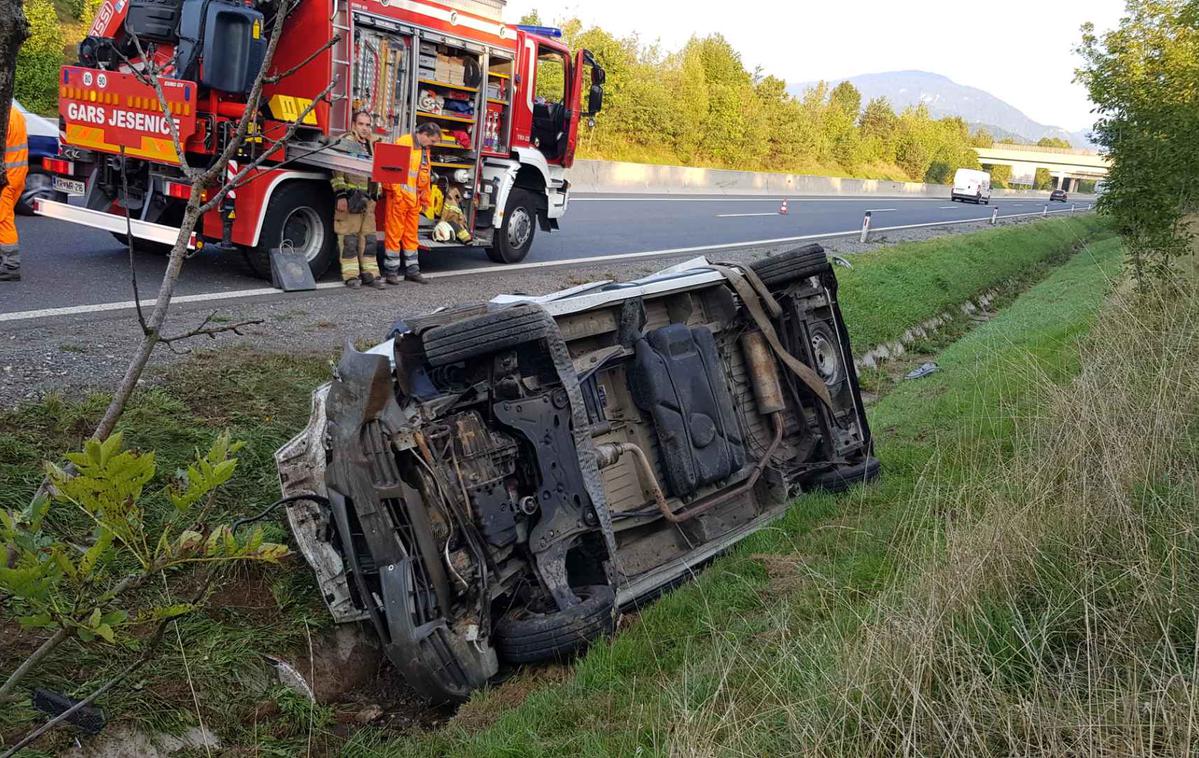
[{"x": 783, "y": 208}]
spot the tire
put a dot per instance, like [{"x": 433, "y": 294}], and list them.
[
  {"x": 529, "y": 637},
  {"x": 515, "y": 235},
  {"x": 37, "y": 185},
  {"x": 841, "y": 479},
  {"x": 485, "y": 334},
  {"x": 300, "y": 213},
  {"x": 782, "y": 269}
]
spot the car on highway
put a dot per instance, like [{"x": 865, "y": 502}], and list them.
[
  {"x": 493, "y": 483},
  {"x": 1057, "y": 196},
  {"x": 971, "y": 184},
  {"x": 43, "y": 143}
]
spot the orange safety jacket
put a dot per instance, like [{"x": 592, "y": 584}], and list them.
[
  {"x": 416, "y": 189},
  {"x": 16, "y": 147},
  {"x": 16, "y": 165}
]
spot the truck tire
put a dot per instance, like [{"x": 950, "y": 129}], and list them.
[
  {"x": 515, "y": 235},
  {"x": 484, "y": 334},
  {"x": 300, "y": 213},
  {"x": 786, "y": 267},
  {"x": 37, "y": 184},
  {"x": 528, "y": 637}
]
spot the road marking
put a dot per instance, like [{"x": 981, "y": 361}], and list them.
[
  {"x": 743, "y": 215},
  {"x": 76, "y": 310},
  {"x": 944, "y": 207},
  {"x": 881, "y": 210}
]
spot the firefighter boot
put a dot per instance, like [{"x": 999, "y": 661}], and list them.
[
  {"x": 412, "y": 268},
  {"x": 10, "y": 267},
  {"x": 370, "y": 280}
]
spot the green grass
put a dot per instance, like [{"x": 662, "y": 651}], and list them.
[
  {"x": 261, "y": 399},
  {"x": 904, "y": 285},
  {"x": 707, "y": 657},
  {"x": 614, "y": 700}
]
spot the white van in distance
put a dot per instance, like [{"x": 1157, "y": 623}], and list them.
[{"x": 971, "y": 184}]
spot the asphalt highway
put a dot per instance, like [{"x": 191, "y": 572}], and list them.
[{"x": 65, "y": 265}]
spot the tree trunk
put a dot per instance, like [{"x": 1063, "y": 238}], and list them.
[
  {"x": 14, "y": 30},
  {"x": 154, "y": 324}
]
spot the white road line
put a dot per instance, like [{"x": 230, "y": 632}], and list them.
[
  {"x": 881, "y": 210},
  {"x": 76, "y": 310},
  {"x": 743, "y": 215},
  {"x": 944, "y": 207}
]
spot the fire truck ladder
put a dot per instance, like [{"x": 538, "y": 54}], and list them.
[{"x": 340, "y": 99}]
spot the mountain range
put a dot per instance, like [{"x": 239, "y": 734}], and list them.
[{"x": 945, "y": 97}]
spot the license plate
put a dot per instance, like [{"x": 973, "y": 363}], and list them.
[{"x": 70, "y": 186}]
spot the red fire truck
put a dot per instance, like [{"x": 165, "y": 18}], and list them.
[{"x": 509, "y": 101}]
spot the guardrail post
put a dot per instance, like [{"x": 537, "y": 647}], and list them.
[
  {"x": 865, "y": 227},
  {"x": 1073, "y": 207},
  {"x": 994, "y": 216},
  {"x": 1045, "y": 211}
]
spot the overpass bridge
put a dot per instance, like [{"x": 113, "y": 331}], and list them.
[{"x": 1067, "y": 165}]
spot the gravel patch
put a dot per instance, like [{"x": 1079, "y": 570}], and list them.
[{"x": 88, "y": 353}]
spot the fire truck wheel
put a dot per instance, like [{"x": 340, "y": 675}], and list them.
[
  {"x": 300, "y": 216},
  {"x": 515, "y": 236}
]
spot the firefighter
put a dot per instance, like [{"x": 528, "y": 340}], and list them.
[
  {"x": 354, "y": 217},
  {"x": 404, "y": 205},
  {"x": 16, "y": 165}
]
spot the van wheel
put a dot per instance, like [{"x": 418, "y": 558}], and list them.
[
  {"x": 515, "y": 236},
  {"x": 300, "y": 215},
  {"x": 527, "y": 635}
]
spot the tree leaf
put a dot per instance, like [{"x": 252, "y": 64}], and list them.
[{"x": 36, "y": 621}]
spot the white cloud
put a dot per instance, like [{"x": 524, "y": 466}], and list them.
[{"x": 1020, "y": 51}]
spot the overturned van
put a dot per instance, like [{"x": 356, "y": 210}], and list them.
[{"x": 496, "y": 481}]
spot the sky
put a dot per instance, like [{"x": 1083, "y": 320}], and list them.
[{"x": 1021, "y": 51}]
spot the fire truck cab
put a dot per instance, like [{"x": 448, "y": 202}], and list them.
[{"x": 508, "y": 99}]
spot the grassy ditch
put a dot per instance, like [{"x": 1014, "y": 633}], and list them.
[
  {"x": 901, "y": 286},
  {"x": 264, "y": 399},
  {"x": 734, "y": 662}
]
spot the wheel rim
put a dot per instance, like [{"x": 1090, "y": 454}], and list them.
[
  {"x": 520, "y": 226},
  {"x": 37, "y": 185},
  {"x": 304, "y": 232},
  {"x": 828, "y": 362}
]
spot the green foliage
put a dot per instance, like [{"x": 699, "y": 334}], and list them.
[
  {"x": 700, "y": 106},
  {"x": 1142, "y": 77},
  {"x": 1057, "y": 142},
  {"x": 35, "y": 84},
  {"x": 1001, "y": 176},
  {"x": 982, "y": 138},
  {"x": 1042, "y": 180},
  {"x": 79, "y": 581}
]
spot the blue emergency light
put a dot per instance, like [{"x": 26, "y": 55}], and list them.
[{"x": 543, "y": 31}]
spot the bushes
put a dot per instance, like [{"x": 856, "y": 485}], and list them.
[{"x": 36, "y": 81}]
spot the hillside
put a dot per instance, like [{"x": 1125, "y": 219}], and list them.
[{"x": 944, "y": 97}]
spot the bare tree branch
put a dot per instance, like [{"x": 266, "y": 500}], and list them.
[
  {"x": 162, "y": 101},
  {"x": 239, "y": 178},
  {"x": 280, "y": 77},
  {"x": 204, "y": 330}
]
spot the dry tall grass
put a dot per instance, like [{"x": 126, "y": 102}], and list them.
[{"x": 1054, "y": 611}]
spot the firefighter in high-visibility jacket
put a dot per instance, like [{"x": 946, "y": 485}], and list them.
[
  {"x": 404, "y": 205},
  {"x": 354, "y": 214},
  {"x": 16, "y": 165}
]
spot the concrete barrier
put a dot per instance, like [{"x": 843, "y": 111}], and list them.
[{"x": 608, "y": 177}]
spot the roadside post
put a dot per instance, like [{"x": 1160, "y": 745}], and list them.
[
  {"x": 1045, "y": 211},
  {"x": 865, "y": 227},
  {"x": 994, "y": 216}
]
